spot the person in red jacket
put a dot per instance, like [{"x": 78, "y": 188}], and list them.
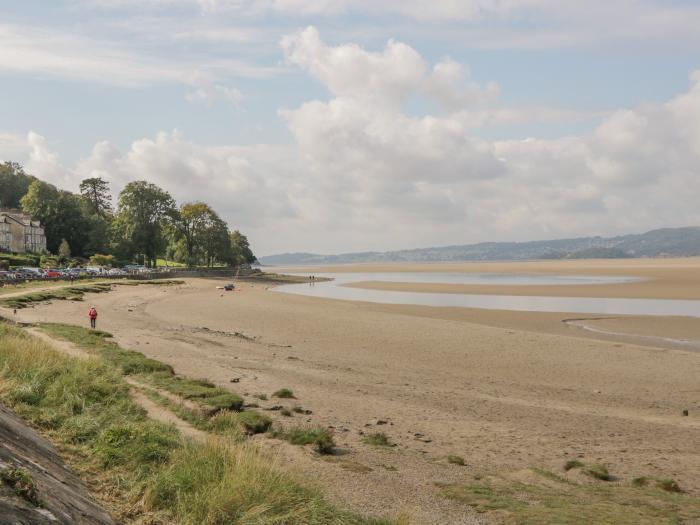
[{"x": 92, "y": 314}]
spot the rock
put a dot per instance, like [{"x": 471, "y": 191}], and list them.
[
  {"x": 236, "y": 380},
  {"x": 63, "y": 497},
  {"x": 685, "y": 412}
]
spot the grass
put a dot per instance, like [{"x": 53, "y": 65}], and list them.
[
  {"x": 455, "y": 460},
  {"x": 203, "y": 392},
  {"x": 320, "y": 437},
  {"x": 144, "y": 466},
  {"x": 286, "y": 412},
  {"x": 378, "y": 439},
  {"x": 572, "y": 464},
  {"x": 556, "y": 501},
  {"x": 21, "y": 482},
  {"x": 598, "y": 472},
  {"x": 71, "y": 293},
  {"x": 284, "y": 393}
]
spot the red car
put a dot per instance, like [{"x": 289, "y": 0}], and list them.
[{"x": 52, "y": 272}]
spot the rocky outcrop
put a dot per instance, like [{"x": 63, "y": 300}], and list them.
[{"x": 61, "y": 496}]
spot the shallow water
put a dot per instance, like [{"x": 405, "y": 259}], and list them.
[{"x": 335, "y": 290}]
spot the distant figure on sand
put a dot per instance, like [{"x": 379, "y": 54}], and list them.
[{"x": 92, "y": 314}]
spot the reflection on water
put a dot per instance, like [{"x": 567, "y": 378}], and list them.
[{"x": 588, "y": 305}]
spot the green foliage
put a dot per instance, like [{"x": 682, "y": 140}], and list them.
[
  {"x": 21, "y": 481},
  {"x": 378, "y": 439},
  {"x": 599, "y": 472},
  {"x": 240, "y": 252},
  {"x": 556, "y": 501},
  {"x": 284, "y": 393},
  {"x": 96, "y": 194},
  {"x": 142, "y": 214},
  {"x": 320, "y": 437},
  {"x": 102, "y": 260},
  {"x": 70, "y": 293},
  {"x": 60, "y": 214},
  {"x": 572, "y": 464},
  {"x": 455, "y": 460},
  {"x": 14, "y": 183},
  {"x": 64, "y": 250}
]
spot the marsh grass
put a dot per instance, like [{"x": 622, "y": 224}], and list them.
[
  {"x": 284, "y": 393},
  {"x": 378, "y": 439},
  {"x": 85, "y": 406},
  {"x": 152, "y": 371},
  {"x": 320, "y": 437},
  {"x": 557, "y": 501},
  {"x": 455, "y": 460}
]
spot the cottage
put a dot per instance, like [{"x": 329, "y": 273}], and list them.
[{"x": 19, "y": 233}]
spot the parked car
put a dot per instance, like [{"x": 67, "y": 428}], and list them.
[
  {"x": 31, "y": 273},
  {"x": 53, "y": 273}
]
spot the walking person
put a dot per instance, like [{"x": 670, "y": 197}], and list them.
[{"x": 92, "y": 314}]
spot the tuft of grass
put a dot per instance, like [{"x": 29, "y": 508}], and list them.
[
  {"x": 261, "y": 397},
  {"x": 254, "y": 422},
  {"x": 284, "y": 393},
  {"x": 455, "y": 460},
  {"x": 321, "y": 438},
  {"x": 286, "y": 412},
  {"x": 669, "y": 485},
  {"x": 572, "y": 464},
  {"x": 21, "y": 482},
  {"x": 378, "y": 439},
  {"x": 198, "y": 390},
  {"x": 641, "y": 481},
  {"x": 598, "y": 472}
]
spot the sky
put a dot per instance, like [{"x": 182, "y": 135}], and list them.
[{"x": 333, "y": 126}]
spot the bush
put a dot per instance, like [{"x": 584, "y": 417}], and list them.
[
  {"x": 455, "y": 460},
  {"x": 378, "y": 439},
  {"x": 598, "y": 472},
  {"x": 21, "y": 481},
  {"x": 668, "y": 485},
  {"x": 572, "y": 464},
  {"x": 284, "y": 393}
]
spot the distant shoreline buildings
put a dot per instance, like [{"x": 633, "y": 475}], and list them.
[{"x": 20, "y": 234}]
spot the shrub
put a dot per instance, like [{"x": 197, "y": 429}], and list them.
[
  {"x": 284, "y": 393},
  {"x": 455, "y": 460},
  {"x": 378, "y": 439},
  {"x": 668, "y": 485}
]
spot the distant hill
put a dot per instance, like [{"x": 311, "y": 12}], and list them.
[{"x": 666, "y": 242}]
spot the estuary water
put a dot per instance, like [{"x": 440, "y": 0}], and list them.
[{"x": 335, "y": 289}]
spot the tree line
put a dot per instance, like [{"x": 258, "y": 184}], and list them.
[{"x": 146, "y": 224}]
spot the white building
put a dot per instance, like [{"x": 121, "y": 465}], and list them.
[{"x": 19, "y": 233}]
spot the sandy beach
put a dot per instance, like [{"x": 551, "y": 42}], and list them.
[{"x": 505, "y": 390}]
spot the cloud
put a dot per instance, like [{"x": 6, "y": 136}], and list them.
[
  {"x": 209, "y": 93},
  {"x": 29, "y": 49},
  {"x": 364, "y": 172}
]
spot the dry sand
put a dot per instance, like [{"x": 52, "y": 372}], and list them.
[{"x": 505, "y": 390}]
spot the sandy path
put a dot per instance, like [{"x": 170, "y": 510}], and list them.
[{"x": 494, "y": 387}]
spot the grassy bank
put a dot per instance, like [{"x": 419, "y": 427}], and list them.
[
  {"x": 71, "y": 293},
  {"x": 542, "y": 497},
  {"x": 146, "y": 471}
]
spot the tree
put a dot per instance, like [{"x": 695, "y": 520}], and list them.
[
  {"x": 60, "y": 214},
  {"x": 14, "y": 184},
  {"x": 64, "y": 251},
  {"x": 191, "y": 224},
  {"x": 240, "y": 252},
  {"x": 142, "y": 213},
  {"x": 96, "y": 193},
  {"x": 102, "y": 260}
]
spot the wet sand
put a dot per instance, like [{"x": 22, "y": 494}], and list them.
[
  {"x": 659, "y": 278},
  {"x": 505, "y": 390}
]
